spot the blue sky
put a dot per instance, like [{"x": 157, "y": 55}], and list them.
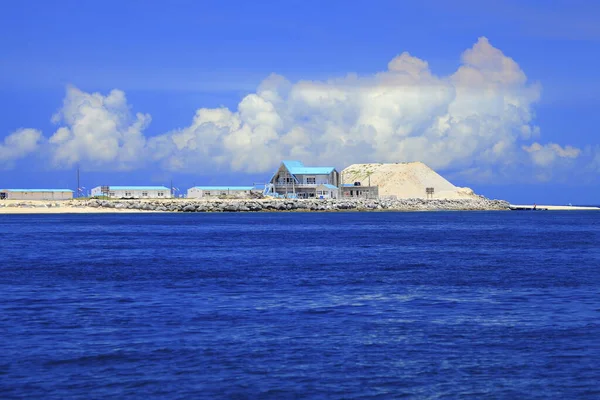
[{"x": 169, "y": 60}]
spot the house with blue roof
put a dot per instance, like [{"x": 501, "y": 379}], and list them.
[
  {"x": 132, "y": 192},
  {"x": 295, "y": 180}
]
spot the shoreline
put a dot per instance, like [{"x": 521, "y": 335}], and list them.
[
  {"x": 66, "y": 210},
  {"x": 263, "y": 205}
]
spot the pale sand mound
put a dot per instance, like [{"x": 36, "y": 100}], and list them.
[{"x": 404, "y": 180}]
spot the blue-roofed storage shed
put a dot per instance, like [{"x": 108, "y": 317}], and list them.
[
  {"x": 132, "y": 192},
  {"x": 36, "y": 194}
]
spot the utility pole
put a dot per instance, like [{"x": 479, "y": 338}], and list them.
[
  {"x": 78, "y": 186},
  {"x": 171, "y": 187}
]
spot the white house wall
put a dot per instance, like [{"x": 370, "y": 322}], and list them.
[
  {"x": 134, "y": 194},
  {"x": 39, "y": 195},
  {"x": 196, "y": 193},
  {"x": 141, "y": 194},
  {"x": 318, "y": 179}
]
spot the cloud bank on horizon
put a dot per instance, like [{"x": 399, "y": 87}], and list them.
[{"x": 478, "y": 120}]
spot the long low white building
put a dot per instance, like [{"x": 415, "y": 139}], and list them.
[
  {"x": 132, "y": 192},
  {"x": 199, "y": 192},
  {"x": 36, "y": 194}
]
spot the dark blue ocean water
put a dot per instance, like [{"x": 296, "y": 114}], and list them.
[{"x": 294, "y": 305}]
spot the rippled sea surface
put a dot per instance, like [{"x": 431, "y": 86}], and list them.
[{"x": 295, "y": 305}]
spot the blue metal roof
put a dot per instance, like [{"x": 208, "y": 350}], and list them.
[
  {"x": 328, "y": 186},
  {"x": 37, "y": 190},
  {"x": 297, "y": 168},
  {"x": 138, "y": 188},
  {"x": 313, "y": 171},
  {"x": 224, "y": 187},
  {"x": 289, "y": 164}
]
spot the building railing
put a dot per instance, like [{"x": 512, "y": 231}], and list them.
[{"x": 300, "y": 185}]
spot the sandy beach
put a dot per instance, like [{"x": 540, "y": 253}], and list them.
[{"x": 58, "y": 207}]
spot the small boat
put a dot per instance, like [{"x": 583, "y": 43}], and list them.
[{"x": 528, "y": 208}]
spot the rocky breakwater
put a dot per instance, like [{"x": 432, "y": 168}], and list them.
[{"x": 267, "y": 205}]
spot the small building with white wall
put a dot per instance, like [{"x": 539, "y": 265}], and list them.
[
  {"x": 36, "y": 194},
  {"x": 326, "y": 191},
  {"x": 132, "y": 192},
  {"x": 200, "y": 192},
  {"x": 356, "y": 190}
]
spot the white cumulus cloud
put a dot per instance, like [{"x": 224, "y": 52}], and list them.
[
  {"x": 545, "y": 155},
  {"x": 478, "y": 116},
  {"x": 98, "y": 130},
  {"x": 18, "y": 145},
  {"x": 478, "y": 120}
]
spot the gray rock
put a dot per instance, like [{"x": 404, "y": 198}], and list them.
[{"x": 189, "y": 208}]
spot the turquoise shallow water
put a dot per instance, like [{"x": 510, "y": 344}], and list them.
[{"x": 294, "y": 305}]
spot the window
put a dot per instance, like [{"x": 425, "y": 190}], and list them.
[
  {"x": 145, "y": 194},
  {"x": 311, "y": 181},
  {"x": 111, "y": 194},
  {"x": 128, "y": 194},
  {"x": 207, "y": 193},
  {"x": 160, "y": 194}
]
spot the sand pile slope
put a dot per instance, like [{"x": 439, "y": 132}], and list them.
[{"x": 404, "y": 180}]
